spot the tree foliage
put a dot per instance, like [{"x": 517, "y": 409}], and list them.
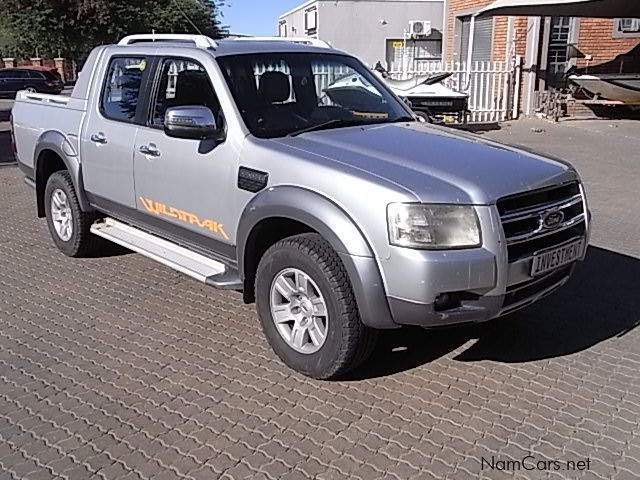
[{"x": 73, "y": 27}]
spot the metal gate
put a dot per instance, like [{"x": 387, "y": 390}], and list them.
[{"x": 493, "y": 87}]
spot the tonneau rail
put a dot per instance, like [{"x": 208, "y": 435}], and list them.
[{"x": 43, "y": 98}]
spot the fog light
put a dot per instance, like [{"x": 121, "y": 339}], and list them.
[{"x": 447, "y": 301}]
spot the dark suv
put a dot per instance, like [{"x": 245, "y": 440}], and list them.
[{"x": 13, "y": 80}]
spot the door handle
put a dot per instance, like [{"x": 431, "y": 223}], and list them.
[
  {"x": 99, "y": 138},
  {"x": 150, "y": 150}
]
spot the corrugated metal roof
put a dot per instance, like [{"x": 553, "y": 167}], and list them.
[{"x": 564, "y": 8}]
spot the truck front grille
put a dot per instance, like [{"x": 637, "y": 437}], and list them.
[{"x": 523, "y": 219}]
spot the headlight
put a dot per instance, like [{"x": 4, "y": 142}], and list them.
[{"x": 417, "y": 225}]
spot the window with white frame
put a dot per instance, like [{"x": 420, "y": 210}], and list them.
[
  {"x": 628, "y": 26},
  {"x": 282, "y": 29},
  {"x": 311, "y": 20}
]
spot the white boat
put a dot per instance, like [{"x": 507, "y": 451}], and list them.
[
  {"x": 429, "y": 98},
  {"x": 622, "y": 87}
]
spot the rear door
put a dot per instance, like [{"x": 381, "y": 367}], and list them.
[
  {"x": 20, "y": 80},
  {"x": 110, "y": 131},
  {"x": 35, "y": 80}
]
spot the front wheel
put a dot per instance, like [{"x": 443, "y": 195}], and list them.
[{"x": 308, "y": 310}]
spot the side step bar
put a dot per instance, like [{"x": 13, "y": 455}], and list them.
[{"x": 197, "y": 266}]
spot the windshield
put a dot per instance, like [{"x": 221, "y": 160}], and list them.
[{"x": 281, "y": 94}]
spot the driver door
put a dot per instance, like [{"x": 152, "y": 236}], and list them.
[{"x": 183, "y": 186}]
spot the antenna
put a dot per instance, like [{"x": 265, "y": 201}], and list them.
[{"x": 182, "y": 12}]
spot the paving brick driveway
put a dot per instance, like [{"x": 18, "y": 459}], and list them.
[{"x": 118, "y": 367}]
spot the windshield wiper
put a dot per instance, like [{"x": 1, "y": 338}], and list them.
[
  {"x": 405, "y": 118},
  {"x": 319, "y": 126}
]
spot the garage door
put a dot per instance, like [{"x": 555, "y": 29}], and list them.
[{"x": 482, "y": 41}]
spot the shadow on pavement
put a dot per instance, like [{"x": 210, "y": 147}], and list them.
[
  {"x": 109, "y": 249},
  {"x": 480, "y": 127},
  {"x": 600, "y": 301},
  {"x": 6, "y": 152}
]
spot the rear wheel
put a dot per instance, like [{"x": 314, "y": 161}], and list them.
[
  {"x": 308, "y": 310},
  {"x": 68, "y": 224},
  {"x": 31, "y": 90}
]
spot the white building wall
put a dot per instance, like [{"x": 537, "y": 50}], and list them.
[{"x": 364, "y": 27}]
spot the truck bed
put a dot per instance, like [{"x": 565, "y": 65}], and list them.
[{"x": 35, "y": 113}]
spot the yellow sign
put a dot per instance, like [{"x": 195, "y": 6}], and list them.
[{"x": 398, "y": 44}]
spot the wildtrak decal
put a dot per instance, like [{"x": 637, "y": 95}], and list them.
[{"x": 161, "y": 209}]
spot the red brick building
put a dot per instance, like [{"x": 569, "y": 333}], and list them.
[{"x": 549, "y": 46}]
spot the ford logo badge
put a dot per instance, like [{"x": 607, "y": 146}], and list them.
[{"x": 552, "y": 220}]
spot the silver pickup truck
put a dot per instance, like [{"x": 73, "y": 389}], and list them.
[{"x": 339, "y": 215}]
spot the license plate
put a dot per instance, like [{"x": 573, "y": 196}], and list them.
[{"x": 551, "y": 259}]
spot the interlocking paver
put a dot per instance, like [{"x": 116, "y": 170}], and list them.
[{"x": 105, "y": 374}]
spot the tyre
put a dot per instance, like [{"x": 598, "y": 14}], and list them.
[
  {"x": 424, "y": 116},
  {"x": 308, "y": 310},
  {"x": 68, "y": 224},
  {"x": 31, "y": 90}
]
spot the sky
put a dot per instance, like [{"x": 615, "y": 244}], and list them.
[{"x": 256, "y": 17}]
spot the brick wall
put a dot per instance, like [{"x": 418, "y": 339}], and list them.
[
  {"x": 500, "y": 36},
  {"x": 597, "y": 39}
]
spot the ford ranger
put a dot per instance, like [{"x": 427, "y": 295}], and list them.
[{"x": 338, "y": 215}]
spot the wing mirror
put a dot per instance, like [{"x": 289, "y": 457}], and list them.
[{"x": 194, "y": 122}]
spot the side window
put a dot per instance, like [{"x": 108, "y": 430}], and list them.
[
  {"x": 122, "y": 88},
  {"x": 182, "y": 83}
]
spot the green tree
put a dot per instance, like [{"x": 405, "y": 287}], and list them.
[
  {"x": 7, "y": 42},
  {"x": 73, "y": 27}
]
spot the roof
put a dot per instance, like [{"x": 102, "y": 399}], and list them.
[{"x": 564, "y": 8}]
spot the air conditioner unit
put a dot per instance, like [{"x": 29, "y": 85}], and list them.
[{"x": 420, "y": 28}]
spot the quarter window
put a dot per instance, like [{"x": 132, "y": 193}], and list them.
[{"x": 122, "y": 88}]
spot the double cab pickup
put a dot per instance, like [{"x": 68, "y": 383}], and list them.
[{"x": 339, "y": 216}]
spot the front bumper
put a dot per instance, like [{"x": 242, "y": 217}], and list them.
[
  {"x": 476, "y": 284},
  {"x": 482, "y": 308}
]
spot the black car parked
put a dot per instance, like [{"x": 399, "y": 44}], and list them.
[{"x": 14, "y": 79}]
